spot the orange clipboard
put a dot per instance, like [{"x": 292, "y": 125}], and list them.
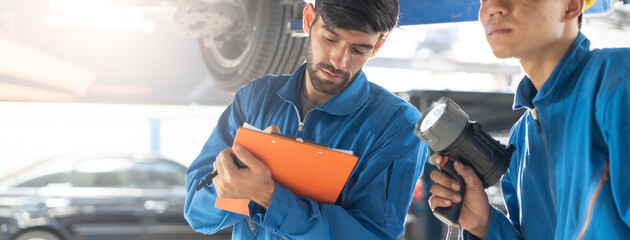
[{"x": 306, "y": 169}]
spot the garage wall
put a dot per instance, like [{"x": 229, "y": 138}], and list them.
[{"x": 32, "y": 131}]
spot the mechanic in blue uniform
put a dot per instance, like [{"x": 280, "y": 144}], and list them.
[
  {"x": 330, "y": 101},
  {"x": 569, "y": 177}
]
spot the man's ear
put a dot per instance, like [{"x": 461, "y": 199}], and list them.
[
  {"x": 307, "y": 19},
  {"x": 378, "y": 46},
  {"x": 574, "y": 9}
]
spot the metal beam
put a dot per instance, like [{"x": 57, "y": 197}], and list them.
[{"x": 413, "y": 12}]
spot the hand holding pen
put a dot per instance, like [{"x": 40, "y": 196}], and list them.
[
  {"x": 208, "y": 179},
  {"x": 239, "y": 174}
]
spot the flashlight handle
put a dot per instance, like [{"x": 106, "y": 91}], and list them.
[{"x": 450, "y": 215}]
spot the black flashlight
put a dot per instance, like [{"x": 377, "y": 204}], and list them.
[{"x": 447, "y": 130}]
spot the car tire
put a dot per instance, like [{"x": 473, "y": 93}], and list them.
[
  {"x": 261, "y": 45},
  {"x": 37, "y": 235}
]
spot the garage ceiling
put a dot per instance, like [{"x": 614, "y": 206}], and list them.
[{"x": 55, "y": 52}]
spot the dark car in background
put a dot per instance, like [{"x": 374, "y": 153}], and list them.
[{"x": 97, "y": 197}]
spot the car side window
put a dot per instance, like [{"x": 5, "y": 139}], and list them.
[
  {"x": 104, "y": 172},
  {"x": 40, "y": 181},
  {"x": 162, "y": 175}
]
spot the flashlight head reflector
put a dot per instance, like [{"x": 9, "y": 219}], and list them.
[
  {"x": 432, "y": 117},
  {"x": 444, "y": 118}
]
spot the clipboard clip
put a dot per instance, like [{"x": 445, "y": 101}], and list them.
[{"x": 300, "y": 140}]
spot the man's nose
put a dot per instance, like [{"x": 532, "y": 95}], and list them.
[
  {"x": 339, "y": 57},
  {"x": 493, "y": 8}
]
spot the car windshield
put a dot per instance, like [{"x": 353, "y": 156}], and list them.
[
  {"x": 99, "y": 172},
  {"x": 38, "y": 173}
]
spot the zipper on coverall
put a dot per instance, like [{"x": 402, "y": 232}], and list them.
[
  {"x": 605, "y": 176},
  {"x": 535, "y": 115},
  {"x": 301, "y": 126}
]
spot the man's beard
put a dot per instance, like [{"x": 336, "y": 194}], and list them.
[{"x": 323, "y": 85}]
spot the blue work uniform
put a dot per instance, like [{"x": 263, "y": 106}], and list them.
[
  {"x": 365, "y": 118},
  {"x": 570, "y": 174}
]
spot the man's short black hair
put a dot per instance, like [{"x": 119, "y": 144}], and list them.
[
  {"x": 580, "y": 21},
  {"x": 368, "y": 16}
]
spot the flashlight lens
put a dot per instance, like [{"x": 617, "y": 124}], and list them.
[{"x": 432, "y": 117}]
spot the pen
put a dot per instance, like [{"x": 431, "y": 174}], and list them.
[{"x": 208, "y": 180}]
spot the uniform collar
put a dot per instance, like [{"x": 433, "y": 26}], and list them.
[
  {"x": 344, "y": 103},
  {"x": 526, "y": 93}
]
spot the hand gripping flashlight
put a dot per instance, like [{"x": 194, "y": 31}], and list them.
[{"x": 447, "y": 130}]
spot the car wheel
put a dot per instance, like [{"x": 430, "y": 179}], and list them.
[
  {"x": 37, "y": 235},
  {"x": 258, "y": 45}
]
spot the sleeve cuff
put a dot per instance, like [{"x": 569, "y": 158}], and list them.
[
  {"x": 469, "y": 236},
  {"x": 274, "y": 217},
  {"x": 499, "y": 227}
]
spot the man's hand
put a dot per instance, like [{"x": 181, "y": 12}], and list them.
[
  {"x": 254, "y": 182},
  {"x": 475, "y": 213}
]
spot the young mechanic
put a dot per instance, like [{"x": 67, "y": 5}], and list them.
[
  {"x": 330, "y": 101},
  {"x": 569, "y": 175}
]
